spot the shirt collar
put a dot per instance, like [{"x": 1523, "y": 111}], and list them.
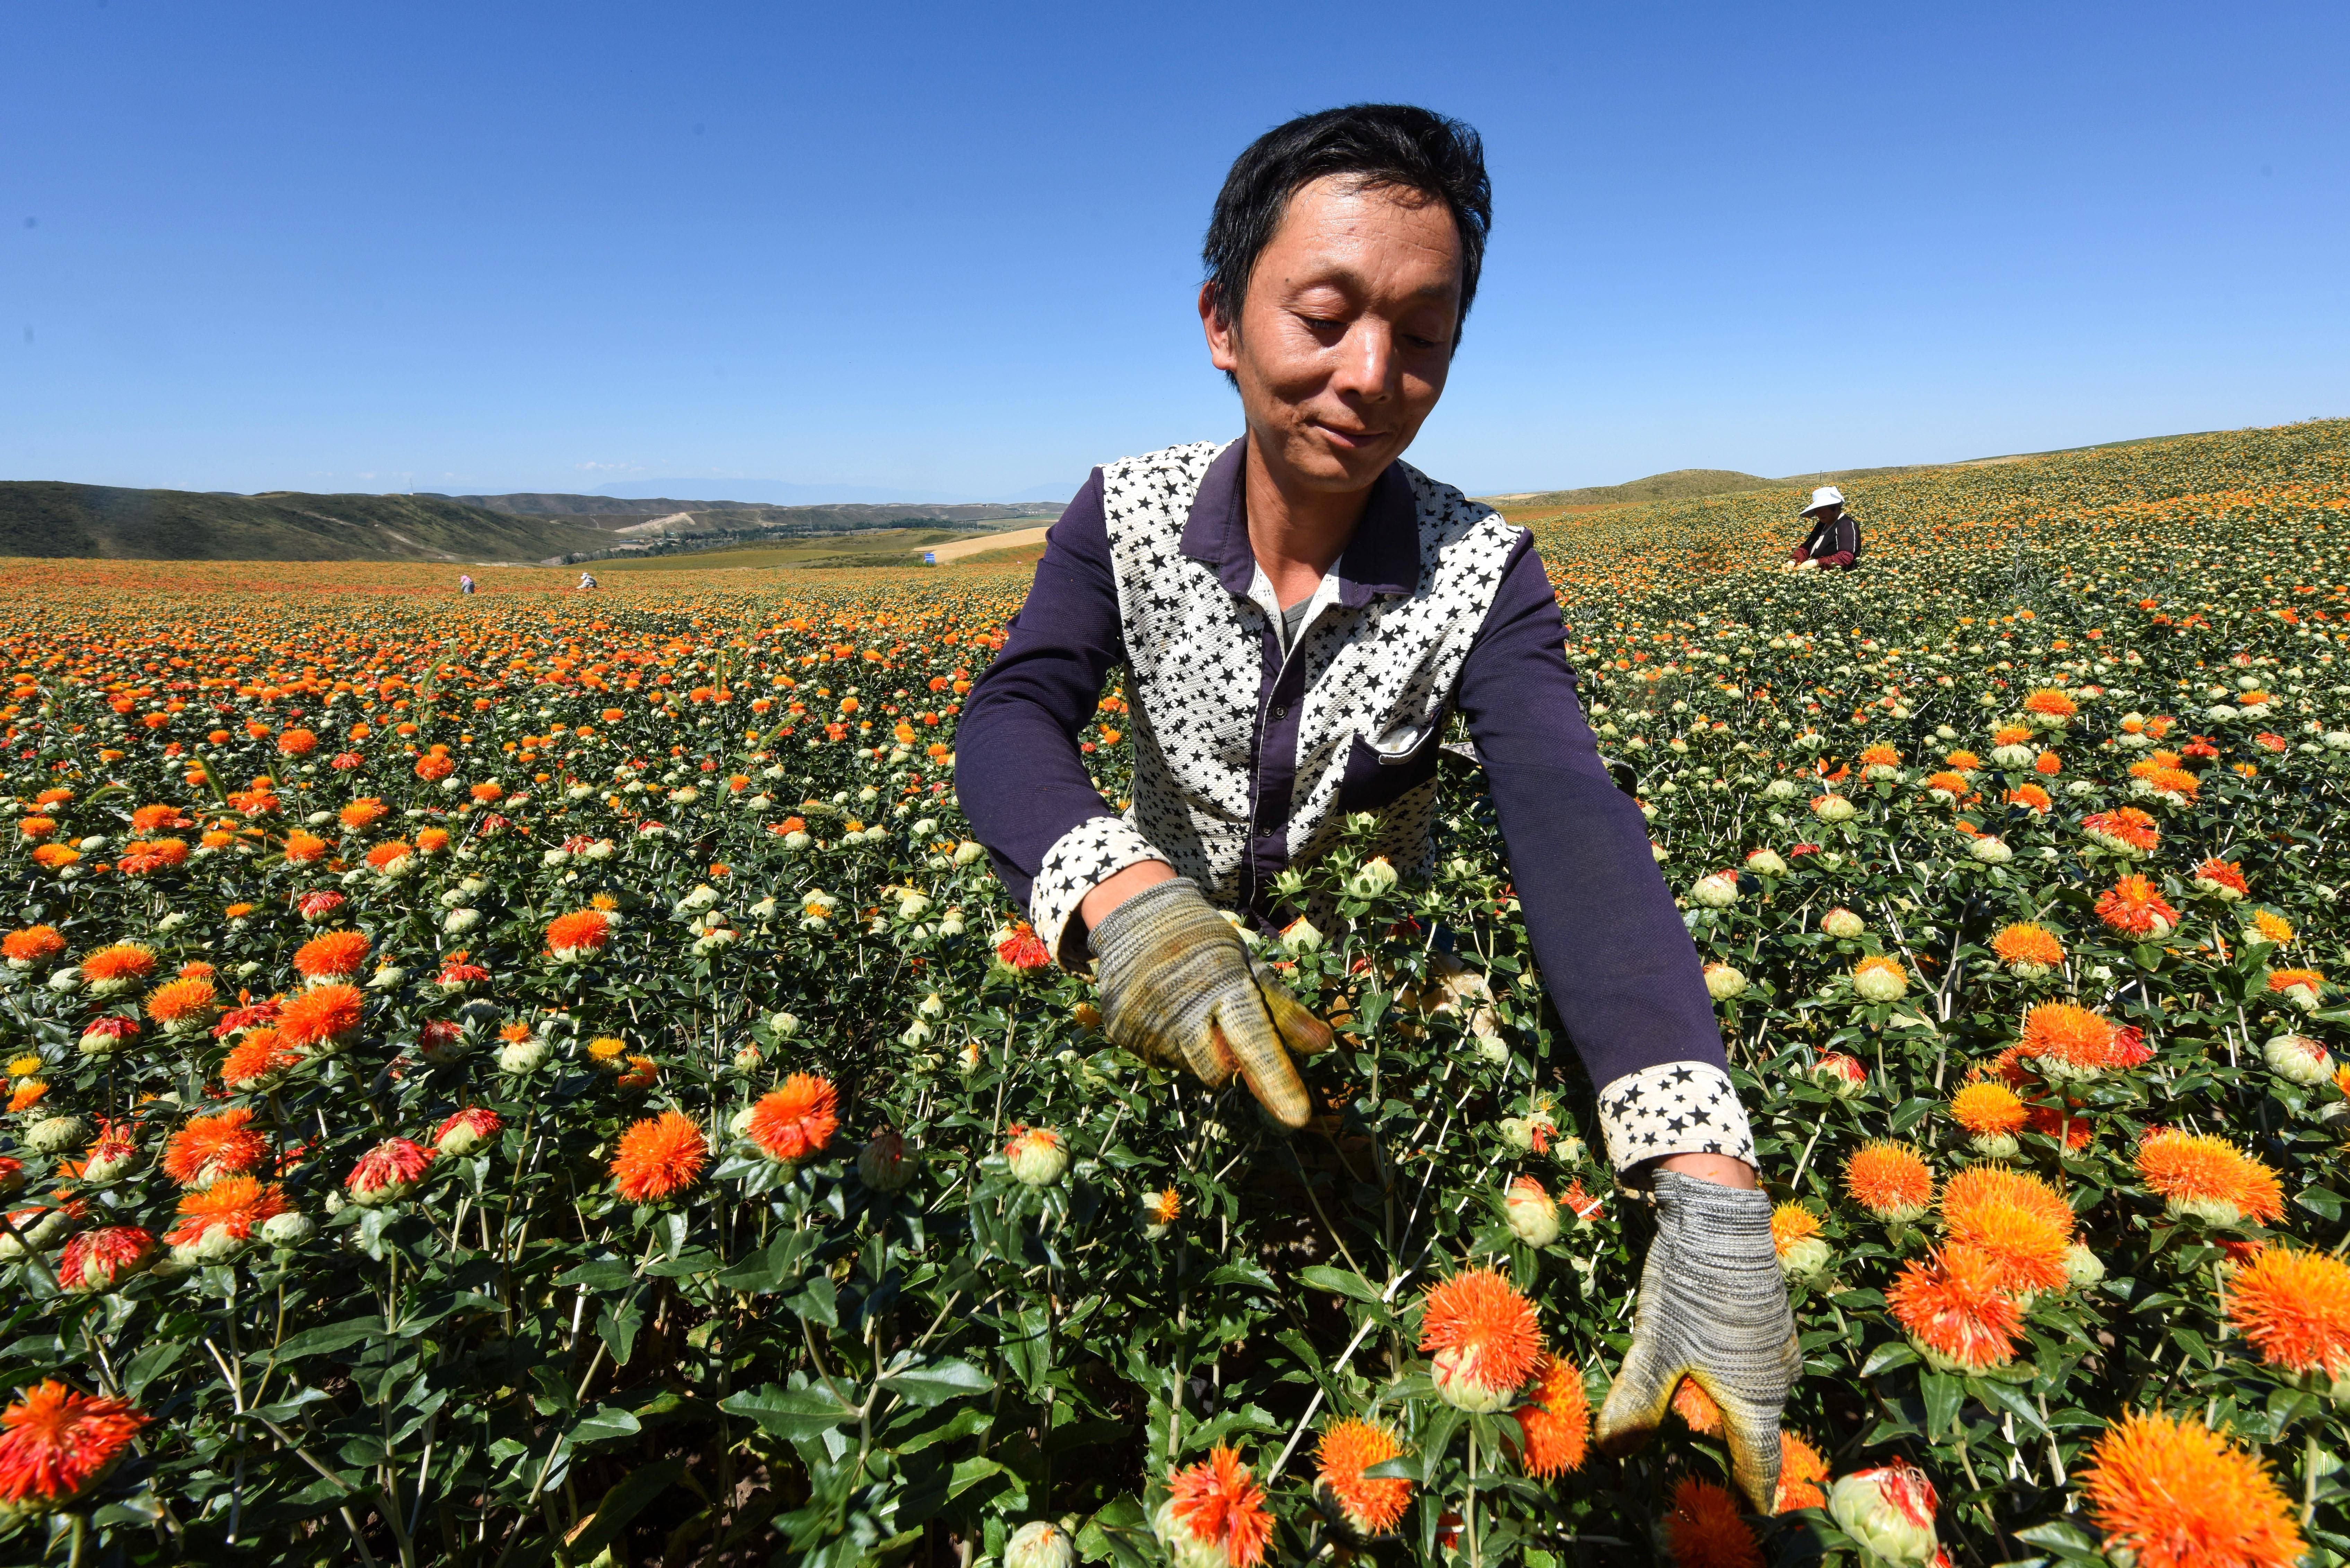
[{"x": 1383, "y": 556}]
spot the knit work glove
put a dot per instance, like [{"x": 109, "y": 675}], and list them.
[
  {"x": 1713, "y": 1307},
  {"x": 1178, "y": 988}
]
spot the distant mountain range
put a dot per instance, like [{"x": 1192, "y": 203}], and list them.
[
  {"x": 783, "y": 492},
  {"x": 51, "y": 519}
]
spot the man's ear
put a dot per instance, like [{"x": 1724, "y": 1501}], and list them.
[{"x": 1223, "y": 332}]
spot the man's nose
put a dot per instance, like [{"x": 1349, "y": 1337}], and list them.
[{"x": 1366, "y": 360}]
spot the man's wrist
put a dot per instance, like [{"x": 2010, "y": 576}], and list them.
[
  {"x": 1115, "y": 889},
  {"x": 1724, "y": 1169}
]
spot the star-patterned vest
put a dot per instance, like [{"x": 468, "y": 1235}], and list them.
[{"x": 1378, "y": 683}]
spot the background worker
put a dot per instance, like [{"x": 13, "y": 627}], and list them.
[
  {"x": 1835, "y": 539},
  {"x": 1299, "y": 614}
]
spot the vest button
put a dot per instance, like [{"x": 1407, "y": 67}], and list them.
[{"x": 1282, "y": 711}]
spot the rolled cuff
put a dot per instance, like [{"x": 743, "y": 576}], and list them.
[
  {"x": 1673, "y": 1108},
  {"x": 1079, "y": 861}
]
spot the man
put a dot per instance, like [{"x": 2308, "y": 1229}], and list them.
[
  {"x": 1298, "y": 614},
  {"x": 1834, "y": 538}
]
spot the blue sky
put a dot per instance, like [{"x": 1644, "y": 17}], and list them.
[{"x": 952, "y": 250}]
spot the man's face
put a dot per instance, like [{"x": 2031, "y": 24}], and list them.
[{"x": 1346, "y": 334}]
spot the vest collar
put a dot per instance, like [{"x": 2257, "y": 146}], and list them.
[{"x": 1383, "y": 556}]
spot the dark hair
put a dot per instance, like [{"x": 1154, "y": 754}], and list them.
[{"x": 1393, "y": 145}]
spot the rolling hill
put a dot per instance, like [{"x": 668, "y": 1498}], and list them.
[{"x": 45, "y": 518}]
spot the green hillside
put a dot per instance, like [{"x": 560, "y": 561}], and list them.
[{"x": 45, "y": 518}]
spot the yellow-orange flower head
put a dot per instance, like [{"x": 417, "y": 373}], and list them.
[
  {"x": 2293, "y": 1307},
  {"x": 2175, "y": 1495},
  {"x": 1484, "y": 1334}
]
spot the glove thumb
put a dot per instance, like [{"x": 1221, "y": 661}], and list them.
[
  {"x": 1637, "y": 1399},
  {"x": 1305, "y": 1035}
]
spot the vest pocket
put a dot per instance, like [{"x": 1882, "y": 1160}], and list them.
[{"x": 1376, "y": 779}]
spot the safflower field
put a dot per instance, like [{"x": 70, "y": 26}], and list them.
[{"x": 548, "y": 1077}]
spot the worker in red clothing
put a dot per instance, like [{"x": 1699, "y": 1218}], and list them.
[{"x": 1835, "y": 539}]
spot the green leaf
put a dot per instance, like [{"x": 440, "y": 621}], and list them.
[
  {"x": 2061, "y": 1536},
  {"x": 333, "y": 1336},
  {"x": 1944, "y": 1395},
  {"x": 789, "y": 1413},
  {"x": 1119, "y": 1533},
  {"x": 603, "y": 1424},
  {"x": 1885, "y": 1357},
  {"x": 1341, "y": 1282},
  {"x": 937, "y": 1383},
  {"x": 817, "y": 1303},
  {"x": 622, "y": 1503},
  {"x": 2007, "y": 1396},
  {"x": 616, "y": 1326}
]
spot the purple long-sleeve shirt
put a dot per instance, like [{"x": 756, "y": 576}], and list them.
[{"x": 1614, "y": 953}]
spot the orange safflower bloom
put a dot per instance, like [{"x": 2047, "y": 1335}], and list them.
[
  {"x": 303, "y": 848},
  {"x": 36, "y": 827},
  {"x": 150, "y": 819},
  {"x": 1555, "y": 1423},
  {"x": 258, "y": 1060},
  {"x": 577, "y": 934},
  {"x": 297, "y": 743},
  {"x": 1801, "y": 1469},
  {"x": 182, "y": 1001},
  {"x": 797, "y": 1120},
  {"x": 2060, "y": 1032},
  {"x": 1696, "y": 1410},
  {"x": 123, "y": 961},
  {"x": 2223, "y": 876},
  {"x": 56, "y": 1444},
  {"x": 2202, "y": 1174},
  {"x": 1979, "y": 1186},
  {"x": 386, "y": 855},
  {"x": 1702, "y": 1529},
  {"x": 659, "y": 1156},
  {"x": 32, "y": 945},
  {"x": 1955, "y": 786},
  {"x": 1347, "y": 1449},
  {"x": 1216, "y": 1502},
  {"x": 55, "y": 856},
  {"x": 321, "y": 1015},
  {"x": 334, "y": 956},
  {"x": 432, "y": 840},
  {"x": 2175, "y": 1495},
  {"x": 1889, "y": 1180},
  {"x": 2287, "y": 979},
  {"x": 147, "y": 856},
  {"x": 363, "y": 813},
  {"x": 2026, "y": 942},
  {"x": 238, "y": 1204},
  {"x": 1880, "y": 756},
  {"x": 2125, "y": 828},
  {"x": 2025, "y": 1246},
  {"x": 1790, "y": 1223},
  {"x": 1988, "y": 1109},
  {"x": 209, "y": 1147},
  {"x": 2135, "y": 908},
  {"x": 2293, "y": 1307},
  {"x": 2050, "y": 703},
  {"x": 1488, "y": 1328},
  {"x": 1952, "y": 1305}
]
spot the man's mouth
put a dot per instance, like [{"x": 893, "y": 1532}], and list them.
[{"x": 1355, "y": 439}]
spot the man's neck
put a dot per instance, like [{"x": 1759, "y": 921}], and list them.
[{"x": 1297, "y": 533}]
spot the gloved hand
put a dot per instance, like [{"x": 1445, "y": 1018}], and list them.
[
  {"x": 1178, "y": 988},
  {"x": 1713, "y": 1307}
]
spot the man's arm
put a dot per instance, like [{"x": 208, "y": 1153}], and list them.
[
  {"x": 1022, "y": 780},
  {"x": 1614, "y": 953}
]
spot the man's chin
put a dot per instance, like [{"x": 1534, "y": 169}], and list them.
[{"x": 1329, "y": 463}]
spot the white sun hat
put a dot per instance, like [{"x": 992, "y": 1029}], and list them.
[{"x": 1825, "y": 495}]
